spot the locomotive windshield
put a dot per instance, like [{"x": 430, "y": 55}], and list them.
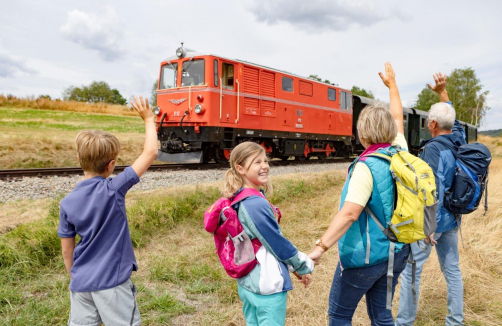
[
  {"x": 168, "y": 77},
  {"x": 193, "y": 73}
]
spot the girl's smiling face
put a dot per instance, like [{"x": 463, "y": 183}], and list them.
[{"x": 255, "y": 171}]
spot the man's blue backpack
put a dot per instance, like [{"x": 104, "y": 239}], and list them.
[{"x": 471, "y": 178}]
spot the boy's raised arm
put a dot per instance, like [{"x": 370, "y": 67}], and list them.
[
  {"x": 396, "y": 107},
  {"x": 150, "y": 149}
]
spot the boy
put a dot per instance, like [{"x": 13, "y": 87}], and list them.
[{"x": 101, "y": 264}]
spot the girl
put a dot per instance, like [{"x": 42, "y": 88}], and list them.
[{"x": 264, "y": 290}]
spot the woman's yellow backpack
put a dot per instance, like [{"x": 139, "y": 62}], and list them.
[{"x": 414, "y": 215}]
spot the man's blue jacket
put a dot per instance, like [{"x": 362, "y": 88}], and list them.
[{"x": 442, "y": 161}]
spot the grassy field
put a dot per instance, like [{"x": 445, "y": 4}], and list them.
[
  {"x": 180, "y": 279},
  {"x": 36, "y": 138}
]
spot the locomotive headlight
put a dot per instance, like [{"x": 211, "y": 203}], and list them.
[
  {"x": 199, "y": 109},
  {"x": 156, "y": 111},
  {"x": 180, "y": 52}
]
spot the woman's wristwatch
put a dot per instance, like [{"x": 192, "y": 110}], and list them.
[{"x": 322, "y": 245}]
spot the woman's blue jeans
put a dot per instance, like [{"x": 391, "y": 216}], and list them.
[{"x": 350, "y": 285}]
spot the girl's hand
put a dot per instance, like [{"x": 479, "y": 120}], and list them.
[{"x": 306, "y": 279}]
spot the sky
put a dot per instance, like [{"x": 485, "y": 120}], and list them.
[{"x": 46, "y": 46}]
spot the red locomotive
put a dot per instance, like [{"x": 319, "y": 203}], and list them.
[{"x": 208, "y": 104}]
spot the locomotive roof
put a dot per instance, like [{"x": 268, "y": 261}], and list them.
[{"x": 191, "y": 53}]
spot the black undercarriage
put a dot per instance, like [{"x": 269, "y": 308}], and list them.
[{"x": 214, "y": 143}]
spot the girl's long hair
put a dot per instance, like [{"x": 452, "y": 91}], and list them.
[{"x": 239, "y": 156}]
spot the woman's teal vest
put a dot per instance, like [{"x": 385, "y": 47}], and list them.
[{"x": 364, "y": 244}]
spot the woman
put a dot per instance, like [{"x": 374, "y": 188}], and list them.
[{"x": 369, "y": 184}]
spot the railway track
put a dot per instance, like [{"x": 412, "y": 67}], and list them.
[{"x": 67, "y": 171}]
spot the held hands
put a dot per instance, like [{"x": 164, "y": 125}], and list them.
[
  {"x": 389, "y": 79},
  {"x": 316, "y": 254},
  {"x": 440, "y": 83},
  {"x": 143, "y": 108},
  {"x": 430, "y": 240}
]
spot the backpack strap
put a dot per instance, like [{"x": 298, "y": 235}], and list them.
[
  {"x": 245, "y": 193},
  {"x": 390, "y": 264},
  {"x": 248, "y": 192},
  {"x": 448, "y": 144},
  {"x": 486, "y": 194}
]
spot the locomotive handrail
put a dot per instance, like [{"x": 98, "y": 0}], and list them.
[
  {"x": 221, "y": 95},
  {"x": 238, "y": 97},
  {"x": 190, "y": 98}
]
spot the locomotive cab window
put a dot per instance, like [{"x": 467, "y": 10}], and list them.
[
  {"x": 228, "y": 75},
  {"x": 215, "y": 66},
  {"x": 287, "y": 84},
  {"x": 342, "y": 100},
  {"x": 331, "y": 94},
  {"x": 168, "y": 76},
  {"x": 348, "y": 101},
  {"x": 193, "y": 73}
]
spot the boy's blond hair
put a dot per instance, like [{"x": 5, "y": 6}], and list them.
[
  {"x": 95, "y": 149},
  {"x": 376, "y": 124},
  {"x": 239, "y": 156}
]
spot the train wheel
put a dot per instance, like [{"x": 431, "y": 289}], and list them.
[
  {"x": 300, "y": 158},
  {"x": 284, "y": 158},
  {"x": 220, "y": 157}
]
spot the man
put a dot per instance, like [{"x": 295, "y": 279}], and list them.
[{"x": 444, "y": 129}]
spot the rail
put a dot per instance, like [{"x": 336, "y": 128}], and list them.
[{"x": 68, "y": 171}]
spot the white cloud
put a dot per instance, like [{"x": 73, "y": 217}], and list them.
[
  {"x": 322, "y": 15},
  {"x": 103, "y": 33},
  {"x": 11, "y": 66}
]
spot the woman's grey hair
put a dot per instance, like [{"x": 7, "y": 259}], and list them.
[
  {"x": 444, "y": 115},
  {"x": 376, "y": 124}
]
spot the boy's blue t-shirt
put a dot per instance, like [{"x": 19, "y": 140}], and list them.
[{"x": 95, "y": 210}]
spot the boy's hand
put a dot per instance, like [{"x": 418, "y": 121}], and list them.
[
  {"x": 142, "y": 107},
  {"x": 150, "y": 149},
  {"x": 389, "y": 79}
]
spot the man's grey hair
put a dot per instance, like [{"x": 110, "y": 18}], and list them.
[{"x": 444, "y": 115}]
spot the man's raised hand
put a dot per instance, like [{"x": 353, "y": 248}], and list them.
[{"x": 440, "y": 83}]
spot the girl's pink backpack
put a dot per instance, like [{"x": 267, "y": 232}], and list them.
[{"x": 234, "y": 247}]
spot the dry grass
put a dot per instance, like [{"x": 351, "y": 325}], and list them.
[
  {"x": 58, "y": 105},
  {"x": 493, "y": 143},
  {"x": 305, "y": 221},
  {"x": 41, "y": 149},
  {"x": 15, "y": 213},
  {"x": 184, "y": 252}
]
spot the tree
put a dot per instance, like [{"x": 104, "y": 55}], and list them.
[
  {"x": 426, "y": 99},
  {"x": 362, "y": 92},
  {"x": 319, "y": 79},
  {"x": 465, "y": 92},
  {"x": 153, "y": 98},
  {"x": 94, "y": 93}
]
